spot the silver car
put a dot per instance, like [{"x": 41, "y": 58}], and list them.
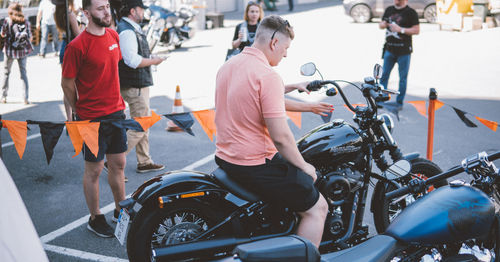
[{"x": 363, "y": 11}]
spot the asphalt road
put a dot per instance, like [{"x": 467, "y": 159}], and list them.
[{"x": 461, "y": 66}]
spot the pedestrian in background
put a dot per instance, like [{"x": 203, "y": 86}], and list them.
[
  {"x": 91, "y": 84},
  {"x": 136, "y": 78},
  {"x": 400, "y": 22},
  {"x": 17, "y": 33},
  {"x": 60, "y": 15},
  {"x": 45, "y": 21},
  {"x": 244, "y": 34}
]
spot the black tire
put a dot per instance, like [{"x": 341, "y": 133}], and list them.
[
  {"x": 430, "y": 14},
  {"x": 140, "y": 239},
  {"x": 383, "y": 211},
  {"x": 361, "y": 13}
]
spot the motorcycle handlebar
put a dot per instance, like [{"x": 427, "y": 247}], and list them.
[{"x": 451, "y": 172}]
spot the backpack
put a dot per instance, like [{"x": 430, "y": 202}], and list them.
[{"x": 19, "y": 36}]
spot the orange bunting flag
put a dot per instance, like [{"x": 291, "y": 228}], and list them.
[
  {"x": 420, "y": 106},
  {"x": 206, "y": 118},
  {"x": 74, "y": 135},
  {"x": 296, "y": 118},
  {"x": 90, "y": 134},
  {"x": 147, "y": 121},
  {"x": 18, "y": 131},
  {"x": 438, "y": 104},
  {"x": 490, "y": 124}
]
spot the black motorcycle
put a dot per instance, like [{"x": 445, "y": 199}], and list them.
[
  {"x": 187, "y": 214},
  {"x": 454, "y": 223}
]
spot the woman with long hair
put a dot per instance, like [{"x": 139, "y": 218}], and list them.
[
  {"x": 60, "y": 15},
  {"x": 244, "y": 33},
  {"x": 16, "y": 31}
]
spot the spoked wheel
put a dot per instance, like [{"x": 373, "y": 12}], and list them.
[
  {"x": 385, "y": 211},
  {"x": 179, "y": 222},
  {"x": 430, "y": 14}
]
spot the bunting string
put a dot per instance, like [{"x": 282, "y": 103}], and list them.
[{"x": 87, "y": 132}]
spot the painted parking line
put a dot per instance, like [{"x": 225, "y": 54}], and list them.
[
  {"x": 77, "y": 223},
  {"x": 81, "y": 254},
  {"x": 27, "y": 138}
]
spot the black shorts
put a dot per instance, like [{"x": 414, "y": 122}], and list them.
[
  {"x": 277, "y": 182},
  {"x": 112, "y": 140}
]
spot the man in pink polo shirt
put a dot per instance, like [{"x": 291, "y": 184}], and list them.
[{"x": 254, "y": 143}]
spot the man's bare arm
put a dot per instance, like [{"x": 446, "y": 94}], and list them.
[
  {"x": 70, "y": 96},
  {"x": 285, "y": 143}
]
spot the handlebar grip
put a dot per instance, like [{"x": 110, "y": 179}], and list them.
[
  {"x": 397, "y": 193},
  {"x": 314, "y": 85}
]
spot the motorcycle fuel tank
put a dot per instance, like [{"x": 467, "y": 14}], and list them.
[
  {"x": 334, "y": 141},
  {"x": 448, "y": 214}
]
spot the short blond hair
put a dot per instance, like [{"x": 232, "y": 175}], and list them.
[{"x": 273, "y": 24}]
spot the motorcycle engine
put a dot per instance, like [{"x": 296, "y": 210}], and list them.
[{"x": 336, "y": 186}]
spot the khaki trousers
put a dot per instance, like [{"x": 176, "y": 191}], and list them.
[{"x": 138, "y": 103}]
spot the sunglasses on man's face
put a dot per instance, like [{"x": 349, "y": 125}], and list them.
[{"x": 286, "y": 24}]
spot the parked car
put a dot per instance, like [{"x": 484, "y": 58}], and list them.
[{"x": 362, "y": 11}]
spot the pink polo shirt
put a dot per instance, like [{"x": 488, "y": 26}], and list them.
[{"x": 247, "y": 91}]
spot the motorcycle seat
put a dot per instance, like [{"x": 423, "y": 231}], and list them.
[
  {"x": 375, "y": 249},
  {"x": 233, "y": 186}
]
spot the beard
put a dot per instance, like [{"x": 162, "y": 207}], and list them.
[{"x": 100, "y": 21}]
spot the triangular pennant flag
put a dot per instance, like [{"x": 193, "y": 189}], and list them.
[
  {"x": 128, "y": 124},
  {"x": 148, "y": 121},
  {"x": 182, "y": 120},
  {"x": 461, "y": 115},
  {"x": 206, "y": 118},
  {"x": 438, "y": 104},
  {"x": 296, "y": 118},
  {"x": 420, "y": 106},
  {"x": 18, "y": 131},
  {"x": 489, "y": 124},
  {"x": 327, "y": 118},
  {"x": 50, "y": 136},
  {"x": 74, "y": 135},
  {"x": 90, "y": 135}
]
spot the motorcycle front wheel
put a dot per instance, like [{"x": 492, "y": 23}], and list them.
[
  {"x": 178, "y": 222},
  {"x": 385, "y": 211}
]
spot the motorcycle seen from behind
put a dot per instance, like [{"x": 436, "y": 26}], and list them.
[
  {"x": 192, "y": 215},
  {"x": 168, "y": 28},
  {"x": 459, "y": 222}
]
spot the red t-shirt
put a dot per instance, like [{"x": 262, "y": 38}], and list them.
[{"x": 93, "y": 62}]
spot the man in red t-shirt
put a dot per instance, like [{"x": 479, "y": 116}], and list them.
[{"x": 92, "y": 87}]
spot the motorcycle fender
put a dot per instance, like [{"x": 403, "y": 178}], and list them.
[
  {"x": 378, "y": 193},
  {"x": 180, "y": 184},
  {"x": 411, "y": 156}
]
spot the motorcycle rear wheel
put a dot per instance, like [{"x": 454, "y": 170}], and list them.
[
  {"x": 384, "y": 211},
  {"x": 178, "y": 222}
]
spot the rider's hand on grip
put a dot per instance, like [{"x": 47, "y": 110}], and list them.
[{"x": 314, "y": 85}]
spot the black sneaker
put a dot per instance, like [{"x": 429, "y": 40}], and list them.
[
  {"x": 149, "y": 168},
  {"x": 100, "y": 227}
]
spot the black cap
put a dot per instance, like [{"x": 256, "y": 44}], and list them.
[{"x": 129, "y": 4}]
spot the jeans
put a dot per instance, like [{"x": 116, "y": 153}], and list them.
[
  {"x": 45, "y": 36},
  {"x": 22, "y": 69},
  {"x": 403, "y": 65}
]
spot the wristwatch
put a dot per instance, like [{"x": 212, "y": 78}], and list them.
[{"x": 402, "y": 31}]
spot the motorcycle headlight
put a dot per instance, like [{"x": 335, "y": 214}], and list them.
[{"x": 388, "y": 121}]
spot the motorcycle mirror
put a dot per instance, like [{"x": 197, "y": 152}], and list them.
[
  {"x": 308, "y": 69},
  {"x": 377, "y": 71},
  {"x": 398, "y": 169}
]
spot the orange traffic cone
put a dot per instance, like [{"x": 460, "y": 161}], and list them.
[{"x": 176, "y": 109}]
